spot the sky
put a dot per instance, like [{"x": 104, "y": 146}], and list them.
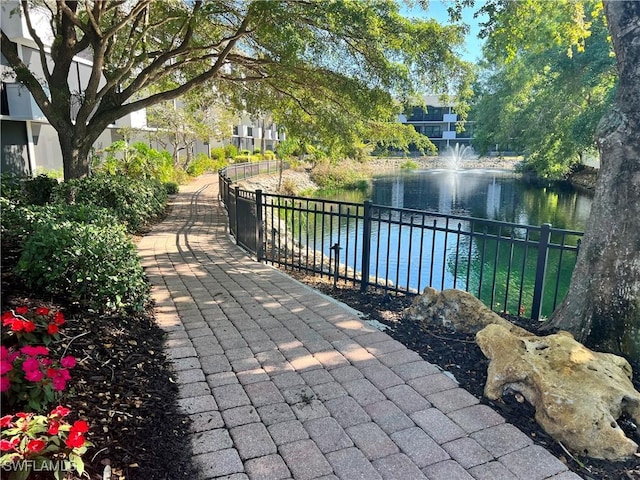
[{"x": 438, "y": 11}]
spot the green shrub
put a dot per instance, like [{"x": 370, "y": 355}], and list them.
[
  {"x": 269, "y": 155},
  {"x": 134, "y": 202},
  {"x": 171, "y": 187},
  {"x": 199, "y": 165},
  {"x": 346, "y": 175},
  {"x": 11, "y": 187},
  {"x": 244, "y": 152},
  {"x": 38, "y": 190},
  {"x": 218, "y": 154},
  {"x": 409, "y": 165},
  {"x": 89, "y": 263},
  {"x": 257, "y": 151},
  {"x": 230, "y": 151},
  {"x": 244, "y": 158}
]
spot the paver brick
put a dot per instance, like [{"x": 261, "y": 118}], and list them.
[
  {"x": 308, "y": 410},
  {"x": 467, "y": 452},
  {"x": 263, "y": 393},
  {"x": 502, "y": 439},
  {"x": 196, "y": 389},
  {"x": 316, "y": 377},
  {"x": 410, "y": 371},
  {"x": 205, "y": 421},
  {"x": 493, "y": 471},
  {"x": 331, "y": 359},
  {"x": 204, "y": 403},
  {"x": 298, "y": 393},
  {"x": 388, "y": 416},
  {"x": 399, "y": 357},
  {"x": 347, "y": 373},
  {"x": 188, "y": 363},
  {"x": 437, "y": 425},
  {"x": 288, "y": 379},
  {"x": 407, "y": 399},
  {"x": 276, "y": 413},
  {"x": 327, "y": 391},
  {"x": 230, "y": 396},
  {"x": 476, "y": 417},
  {"x": 451, "y": 400},
  {"x": 211, "y": 441},
  {"x": 181, "y": 352},
  {"x": 532, "y": 463},
  {"x": 218, "y": 464},
  {"x": 328, "y": 435},
  {"x": 398, "y": 466},
  {"x": 254, "y": 375},
  {"x": 287, "y": 432},
  {"x": 419, "y": 446},
  {"x": 381, "y": 376},
  {"x": 215, "y": 364},
  {"x": 270, "y": 467},
  {"x": 351, "y": 464},
  {"x": 346, "y": 411},
  {"x": 305, "y": 460},
  {"x": 363, "y": 391},
  {"x": 221, "y": 378},
  {"x": 252, "y": 440},
  {"x": 190, "y": 376},
  {"x": 238, "y": 353},
  {"x": 372, "y": 440},
  {"x": 432, "y": 384},
  {"x": 237, "y": 416},
  {"x": 447, "y": 469}
]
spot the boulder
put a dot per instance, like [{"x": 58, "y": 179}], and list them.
[
  {"x": 578, "y": 394},
  {"x": 457, "y": 310}
]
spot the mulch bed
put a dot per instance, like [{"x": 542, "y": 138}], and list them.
[{"x": 460, "y": 355}]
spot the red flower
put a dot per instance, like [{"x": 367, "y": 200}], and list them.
[
  {"x": 36, "y": 446},
  {"x": 54, "y": 426},
  {"x": 6, "y": 421},
  {"x": 58, "y": 318},
  {"x": 52, "y": 329},
  {"x": 29, "y": 326},
  {"x": 42, "y": 311},
  {"x": 22, "y": 310},
  {"x": 75, "y": 439},
  {"x": 7, "y": 318},
  {"x": 33, "y": 351},
  {"x": 6, "y": 445},
  {"x": 68, "y": 361},
  {"x": 17, "y": 325},
  {"x": 80, "y": 426},
  {"x": 60, "y": 411}
]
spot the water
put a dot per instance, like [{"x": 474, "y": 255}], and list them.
[
  {"x": 494, "y": 271},
  {"x": 491, "y": 194}
]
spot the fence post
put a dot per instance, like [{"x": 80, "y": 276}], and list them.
[
  {"x": 366, "y": 247},
  {"x": 237, "y": 194},
  {"x": 259, "y": 227},
  {"x": 541, "y": 269}
]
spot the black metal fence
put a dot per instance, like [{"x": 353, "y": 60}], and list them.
[{"x": 515, "y": 268}]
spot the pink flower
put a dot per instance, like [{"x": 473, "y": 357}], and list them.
[
  {"x": 4, "y": 352},
  {"x": 68, "y": 361},
  {"x": 5, "y": 367},
  {"x": 5, "y": 384},
  {"x": 31, "y": 364},
  {"x": 34, "y": 375},
  {"x": 42, "y": 311},
  {"x": 32, "y": 351},
  {"x": 58, "y": 383}
]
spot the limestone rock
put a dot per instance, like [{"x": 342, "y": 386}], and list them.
[
  {"x": 578, "y": 394},
  {"x": 457, "y": 310}
]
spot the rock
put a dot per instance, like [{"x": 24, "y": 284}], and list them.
[
  {"x": 457, "y": 310},
  {"x": 578, "y": 394}
]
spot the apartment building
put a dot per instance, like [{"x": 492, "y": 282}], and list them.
[{"x": 438, "y": 122}]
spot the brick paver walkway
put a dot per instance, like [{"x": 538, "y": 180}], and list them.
[{"x": 283, "y": 382}]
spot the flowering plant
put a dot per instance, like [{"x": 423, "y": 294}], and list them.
[
  {"x": 40, "y": 325},
  {"x": 32, "y": 442},
  {"x": 30, "y": 375}
]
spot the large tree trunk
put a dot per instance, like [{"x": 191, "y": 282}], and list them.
[
  {"x": 602, "y": 307},
  {"x": 75, "y": 147}
]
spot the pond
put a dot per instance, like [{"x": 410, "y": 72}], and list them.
[{"x": 501, "y": 273}]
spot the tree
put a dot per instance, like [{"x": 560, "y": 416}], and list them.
[
  {"x": 541, "y": 71},
  {"x": 324, "y": 63},
  {"x": 602, "y": 306}
]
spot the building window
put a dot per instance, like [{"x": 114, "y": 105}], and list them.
[
  {"x": 431, "y": 131},
  {"x": 249, "y": 131},
  {"x": 4, "y": 100},
  {"x": 235, "y": 130}
]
